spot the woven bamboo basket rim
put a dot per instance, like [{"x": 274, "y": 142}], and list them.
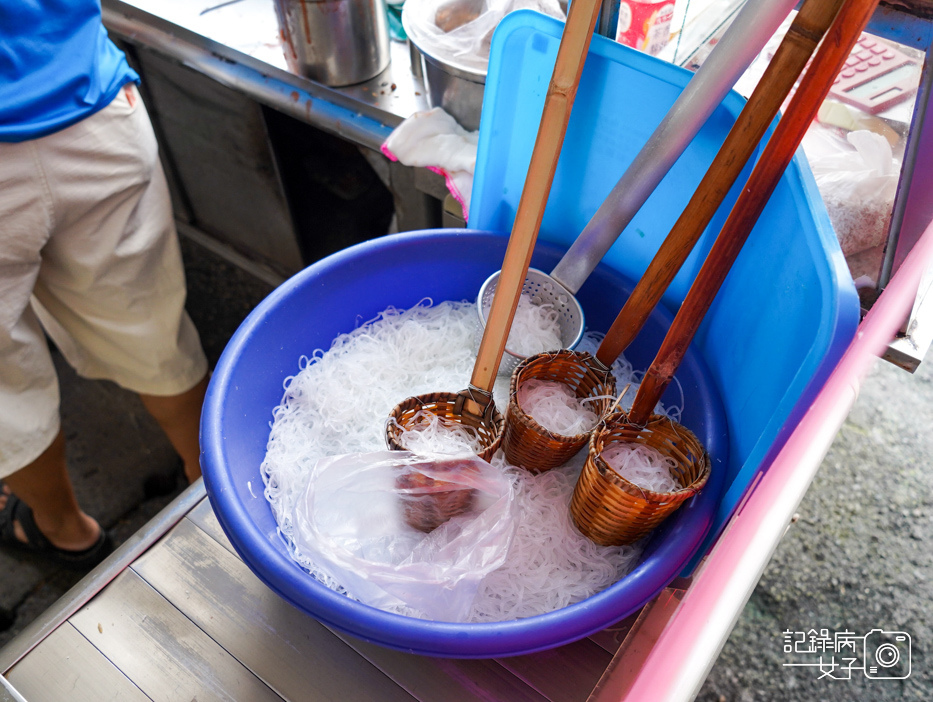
[
  {"x": 425, "y": 402},
  {"x": 526, "y": 418},
  {"x": 621, "y": 419}
]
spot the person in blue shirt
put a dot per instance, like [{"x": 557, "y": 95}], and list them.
[{"x": 89, "y": 257}]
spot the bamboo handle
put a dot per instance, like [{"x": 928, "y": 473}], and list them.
[
  {"x": 789, "y": 60},
  {"x": 803, "y": 108},
  {"x": 571, "y": 55}
]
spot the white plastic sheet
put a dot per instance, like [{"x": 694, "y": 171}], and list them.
[
  {"x": 353, "y": 521},
  {"x": 461, "y": 30}
]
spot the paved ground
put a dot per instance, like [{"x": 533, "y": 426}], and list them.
[{"x": 856, "y": 560}]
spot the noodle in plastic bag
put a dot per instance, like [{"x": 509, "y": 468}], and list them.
[{"x": 362, "y": 519}]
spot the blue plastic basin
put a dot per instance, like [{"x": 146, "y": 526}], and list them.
[
  {"x": 782, "y": 320},
  {"x": 334, "y": 296}
]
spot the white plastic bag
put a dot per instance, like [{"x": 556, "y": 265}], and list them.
[
  {"x": 857, "y": 178},
  {"x": 461, "y": 30},
  {"x": 353, "y": 519}
]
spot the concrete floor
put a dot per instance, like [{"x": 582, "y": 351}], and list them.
[{"x": 857, "y": 559}]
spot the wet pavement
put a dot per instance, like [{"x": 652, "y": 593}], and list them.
[{"x": 857, "y": 560}]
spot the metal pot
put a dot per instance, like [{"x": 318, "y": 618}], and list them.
[
  {"x": 457, "y": 89},
  {"x": 334, "y": 42}
]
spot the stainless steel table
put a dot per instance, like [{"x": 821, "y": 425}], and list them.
[{"x": 174, "y": 614}]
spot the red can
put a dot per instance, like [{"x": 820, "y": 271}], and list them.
[{"x": 645, "y": 24}]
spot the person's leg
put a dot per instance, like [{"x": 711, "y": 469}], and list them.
[
  {"x": 111, "y": 292},
  {"x": 180, "y": 417},
  {"x": 44, "y": 485},
  {"x": 32, "y": 447}
]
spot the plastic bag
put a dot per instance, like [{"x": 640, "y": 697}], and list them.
[
  {"x": 857, "y": 178},
  {"x": 461, "y": 30},
  {"x": 354, "y": 521}
]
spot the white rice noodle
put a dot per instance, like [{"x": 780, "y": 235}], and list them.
[
  {"x": 626, "y": 375},
  {"x": 338, "y": 403},
  {"x": 427, "y": 434},
  {"x": 535, "y": 328},
  {"x": 555, "y": 407},
  {"x": 642, "y": 465},
  {"x": 550, "y": 564}
]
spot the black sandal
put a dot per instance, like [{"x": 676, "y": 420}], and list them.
[{"x": 16, "y": 510}]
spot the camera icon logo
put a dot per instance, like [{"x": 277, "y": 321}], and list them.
[{"x": 887, "y": 654}]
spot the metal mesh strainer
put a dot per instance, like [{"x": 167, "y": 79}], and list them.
[{"x": 543, "y": 290}]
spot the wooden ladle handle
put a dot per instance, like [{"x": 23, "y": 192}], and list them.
[
  {"x": 789, "y": 60},
  {"x": 571, "y": 55},
  {"x": 803, "y": 108}
]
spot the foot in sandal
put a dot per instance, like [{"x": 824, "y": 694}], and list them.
[{"x": 18, "y": 530}]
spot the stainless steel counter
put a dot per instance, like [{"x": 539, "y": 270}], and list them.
[
  {"x": 176, "y": 615},
  {"x": 237, "y": 45}
]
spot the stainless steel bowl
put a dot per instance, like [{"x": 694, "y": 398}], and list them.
[{"x": 456, "y": 88}]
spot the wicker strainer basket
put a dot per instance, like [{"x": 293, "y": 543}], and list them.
[
  {"x": 530, "y": 445},
  {"x": 449, "y": 408},
  {"x": 428, "y": 502},
  {"x": 441, "y": 500},
  {"x": 610, "y": 510}
]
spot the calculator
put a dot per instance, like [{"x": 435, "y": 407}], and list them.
[{"x": 875, "y": 76}]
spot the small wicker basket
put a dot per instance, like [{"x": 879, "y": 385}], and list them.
[
  {"x": 445, "y": 500},
  {"x": 610, "y": 510},
  {"x": 527, "y": 443},
  {"x": 429, "y": 502},
  {"x": 448, "y": 406}
]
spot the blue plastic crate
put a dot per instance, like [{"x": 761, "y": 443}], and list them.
[{"x": 788, "y": 309}]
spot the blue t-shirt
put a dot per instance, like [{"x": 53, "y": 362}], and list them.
[{"x": 57, "y": 66}]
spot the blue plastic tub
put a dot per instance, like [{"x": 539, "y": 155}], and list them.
[
  {"x": 779, "y": 325},
  {"x": 788, "y": 309},
  {"x": 333, "y": 297}
]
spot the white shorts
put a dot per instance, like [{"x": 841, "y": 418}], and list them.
[{"x": 88, "y": 251}]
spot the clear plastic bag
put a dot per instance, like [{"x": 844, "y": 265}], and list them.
[
  {"x": 406, "y": 533},
  {"x": 857, "y": 177},
  {"x": 461, "y": 30}
]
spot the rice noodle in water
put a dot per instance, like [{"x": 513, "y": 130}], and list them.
[
  {"x": 642, "y": 465},
  {"x": 338, "y": 403},
  {"x": 535, "y": 328},
  {"x": 550, "y": 564},
  {"x": 555, "y": 407},
  {"x": 429, "y": 434}
]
